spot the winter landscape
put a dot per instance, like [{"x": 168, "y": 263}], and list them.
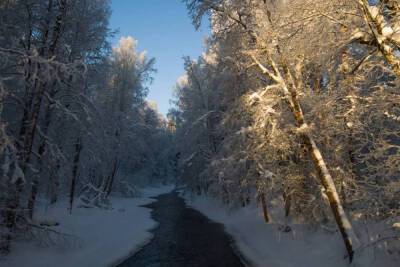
[{"x": 174, "y": 133}]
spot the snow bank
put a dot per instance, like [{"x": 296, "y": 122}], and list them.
[
  {"x": 266, "y": 245},
  {"x": 103, "y": 237}
]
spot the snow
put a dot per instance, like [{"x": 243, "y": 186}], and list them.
[
  {"x": 102, "y": 237},
  {"x": 267, "y": 245}
]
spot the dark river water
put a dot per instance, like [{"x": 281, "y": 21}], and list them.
[{"x": 184, "y": 238}]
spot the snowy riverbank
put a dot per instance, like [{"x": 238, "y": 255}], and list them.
[
  {"x": 268, "y": 245},
  {"x": 99, "y": 237}
]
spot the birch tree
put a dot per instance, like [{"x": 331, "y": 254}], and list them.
[{"x": 268, "y": 32}]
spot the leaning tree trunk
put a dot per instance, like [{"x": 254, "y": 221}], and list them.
[
  {"x": 290, "y": 93},
  {"x": 342, "y": 221},
  {"x": 376, "y": 24},
  {"x": 326, "y": 179}
]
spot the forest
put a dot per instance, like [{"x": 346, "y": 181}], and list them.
[
  {"x": 292, "y": 108},
  {"x": 74, "y": 119}
]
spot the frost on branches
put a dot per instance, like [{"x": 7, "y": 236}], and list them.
[
  {"x": 294, "y": 106},
  {"x": 74, "y": 121}
]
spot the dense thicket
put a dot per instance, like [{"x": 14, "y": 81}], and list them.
[
  {"x": 74, "y": 121},
  {"x": 295, "y": 105}
]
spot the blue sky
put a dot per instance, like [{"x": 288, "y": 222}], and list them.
[{"x": 164, "y": 29}]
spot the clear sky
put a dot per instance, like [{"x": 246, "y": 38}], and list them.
[{"x": 164, "y": 30}]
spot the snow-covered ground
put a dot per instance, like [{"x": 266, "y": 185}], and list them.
[
  {"x": 265, "y": 245},
  {"x": 98, "y": 237}
]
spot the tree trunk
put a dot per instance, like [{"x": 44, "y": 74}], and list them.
[
  {"x": 32, "y": 197},
  {"x": 383, "y": 43},
  {"x": 42, "y": 150},
  {"x": 30, "y": 121},
  {"x": 32, "y": 125},
  {"x": 290, "y": 93},
  {"x": 30, "y": 88},
  {"x": 14, "y": 189},
  {"x": 326, "y": 179},
  {"x": 111, "y": 179},
  {"x": 58, "y": 27},
  {"x": 78, "y": 149},
  {"x": 53, "y": 185},
  {"x": 264, "y": 208},
  {"x": 333, "y": 197},
  {"x": 27, "y": 107},
  {"x": 29, "y": 124},
  {"x": 288, "y": 202}
]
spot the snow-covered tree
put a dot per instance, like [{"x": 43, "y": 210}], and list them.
[
  {"x": 74, "y": 121},
  {"x": 297, "y": 108}
]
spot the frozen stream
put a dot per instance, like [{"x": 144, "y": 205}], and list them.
[{"x": 184, "y": 238}]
